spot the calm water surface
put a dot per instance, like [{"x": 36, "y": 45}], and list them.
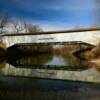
[{"x": 61, "y": 64}]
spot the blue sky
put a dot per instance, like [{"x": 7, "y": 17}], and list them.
[{"x": 53, "y": 14}]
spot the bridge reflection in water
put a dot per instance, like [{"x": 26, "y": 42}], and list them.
[
  {"x": 20, "y": 73},
  {"x": 58, "y": 64}
]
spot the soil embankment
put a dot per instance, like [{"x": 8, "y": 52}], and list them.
[
  {"x": 92, "y": 56},
  {"x": 2, "y": 50},
  {"x": 90, "y": 53}
]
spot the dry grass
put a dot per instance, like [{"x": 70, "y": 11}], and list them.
[
  {"x": 91, "y": 54},
  {"x": 2, "y": 45}
]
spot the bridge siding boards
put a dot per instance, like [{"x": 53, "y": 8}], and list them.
[{"x": 53, "y": 36}]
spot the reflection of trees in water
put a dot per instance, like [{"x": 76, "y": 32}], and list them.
[
  {"x": 66, "y": 52},
  {"x": 33, "y": 60},
  {"x": 95, "y": 63},
  {"x": 31, "y": 55}
]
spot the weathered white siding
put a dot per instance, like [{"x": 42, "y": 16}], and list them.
[{"x": 92, "y": 37}]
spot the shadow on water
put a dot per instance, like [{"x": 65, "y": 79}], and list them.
[
  {"x": 43, "y": 89},
  {"x": 42, "y": 85}
]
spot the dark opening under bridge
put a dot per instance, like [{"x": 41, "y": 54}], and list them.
[{"x": 30, "y": 49}]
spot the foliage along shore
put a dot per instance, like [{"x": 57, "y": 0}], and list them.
[{"x": 89, "y": 54}]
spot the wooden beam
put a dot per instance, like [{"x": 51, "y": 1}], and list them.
[
  {"x": 56, "y": 32},
  {"x": 53, "y": 43}
]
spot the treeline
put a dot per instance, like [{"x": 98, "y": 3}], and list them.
[
  {"x": 16, "y": 25},
  {"x": 12, "y": 25}
]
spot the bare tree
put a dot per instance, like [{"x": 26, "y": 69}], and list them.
[
  {"x": 19, "y": 25},
  {"x": 4, "y": 20},
  {"x": 32, "y": 28}
]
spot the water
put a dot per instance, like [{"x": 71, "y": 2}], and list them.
[
  {"x": 43, "y": 89},
  {"x": 34, "y": 76},
  {"x": 58, "y": 64},
  {"x": 56, "y": 61}
]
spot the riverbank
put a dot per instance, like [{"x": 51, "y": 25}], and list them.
[
  {"x": 2, "y": 49},
  {"x": 92, "y": 56},
  {"x": 89, "y": 54}
]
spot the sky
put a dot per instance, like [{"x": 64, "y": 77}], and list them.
[{"x": 53, "y": 14}]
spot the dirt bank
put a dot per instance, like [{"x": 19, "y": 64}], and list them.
[
  {"x": 2, "y": 49},
  {"x": 87, "y": 54}
]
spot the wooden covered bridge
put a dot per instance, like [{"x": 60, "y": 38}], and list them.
[{"x": 86, "y": 36}]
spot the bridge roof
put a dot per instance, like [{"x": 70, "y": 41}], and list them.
[{"x": 56, "y": 32}]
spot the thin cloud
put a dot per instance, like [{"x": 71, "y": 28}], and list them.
[
  {"x": 56, "y": 5},
  {"x": 59, "y": 13}
]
